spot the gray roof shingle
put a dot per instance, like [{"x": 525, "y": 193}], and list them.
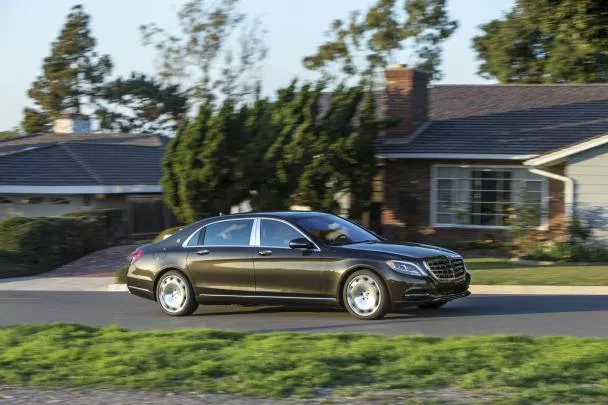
[
  {"x": 507, "y": 119},
  {"x": 41, "y": 140},
  {"x": 83, "y": 164}
]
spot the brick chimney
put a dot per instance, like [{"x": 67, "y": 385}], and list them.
[{"x": 405, "y": 100}]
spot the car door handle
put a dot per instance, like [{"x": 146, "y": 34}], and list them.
[
  {"x": 203, "y": 252},
  {"x": 265, "y": 252}
]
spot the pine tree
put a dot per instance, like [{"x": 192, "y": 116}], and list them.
[{"x": 71, "y": 74}]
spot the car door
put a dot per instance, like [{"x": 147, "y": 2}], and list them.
[
  {"x": 281, "y": 270},
  {"x": 220, "y": 259}
]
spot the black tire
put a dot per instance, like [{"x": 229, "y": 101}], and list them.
[
  {"x": 375, "y": 304},
  {"x": 433, "y": 305},
  {"x": 181, "y": 302}
]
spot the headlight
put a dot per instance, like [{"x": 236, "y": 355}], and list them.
[{"x": 405, "y": 267}]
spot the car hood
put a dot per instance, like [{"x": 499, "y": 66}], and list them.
[{"x": 411, "y": 250}]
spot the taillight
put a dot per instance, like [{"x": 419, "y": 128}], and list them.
[{"x": 136, "y": 255}]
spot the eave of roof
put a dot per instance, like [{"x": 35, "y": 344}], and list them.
[
  {"x": 471, "y": 156},
  {"x": 557, "y": 155}
]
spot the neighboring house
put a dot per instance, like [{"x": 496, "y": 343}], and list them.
[
  {"x": 53, "y": 174},
  {"x": 463, "y": 156}
]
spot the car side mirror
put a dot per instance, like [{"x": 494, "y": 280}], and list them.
[{"x": 300, "y": 243}]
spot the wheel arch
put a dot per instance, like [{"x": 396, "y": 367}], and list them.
[
  {"x": 353, "y": 269},
  {"x": 165, "y": 271}
]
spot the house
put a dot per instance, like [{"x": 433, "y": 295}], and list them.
[
  {"x": 72, "y": 170},
  {"x": 463, "y": 156}
]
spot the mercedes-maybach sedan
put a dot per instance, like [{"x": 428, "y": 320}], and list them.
[{"x": 293, "y": 258}]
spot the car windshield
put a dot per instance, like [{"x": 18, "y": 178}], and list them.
[{"x": 334, "y": 230}]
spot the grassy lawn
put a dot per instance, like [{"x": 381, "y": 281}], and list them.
[
  {"x": 501, "y": 271},
  {"x": 515, "y": 369}
]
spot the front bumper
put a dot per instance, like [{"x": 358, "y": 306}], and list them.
[{"x": 429, "y": 291}]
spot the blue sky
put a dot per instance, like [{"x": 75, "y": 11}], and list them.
[{"x": 295, "y": 29}]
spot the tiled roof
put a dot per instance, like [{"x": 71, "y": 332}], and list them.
[
  {"x": 41, "y": 140},
  {"x": 83, "y": 164},
  {"x": 507, "y": 119}
]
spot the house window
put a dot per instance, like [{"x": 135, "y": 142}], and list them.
[{"x": 484, "y": 197}]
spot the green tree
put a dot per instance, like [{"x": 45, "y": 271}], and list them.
[
  {"x": 356, "y": 155},
  {"x": 181, "y": 165},
  {"x": 325, "y": 177},
  {"x": 71, "y": 74},
  {"x": 35, "y": 121},
  {"x": 217, "y": 50},
  {"x": 299, "y": 149},
  {"x": 140, "y": 104},
  {"x": 546, "y": 41},
  {"x": 371, "y": 40}
]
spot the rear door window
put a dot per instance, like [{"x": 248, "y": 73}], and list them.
[{"x": 228, "y": 233}]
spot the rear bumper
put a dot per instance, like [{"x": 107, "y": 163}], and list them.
[{"x": 141, "y": 292}]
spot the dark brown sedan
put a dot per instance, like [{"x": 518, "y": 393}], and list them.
[{"x": 292, "y": 258}]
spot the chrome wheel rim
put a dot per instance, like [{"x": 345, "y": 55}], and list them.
[
  {"x": 173, "y": 293},
  {"x": 363, "y": 295}
]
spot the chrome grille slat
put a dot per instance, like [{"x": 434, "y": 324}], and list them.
[{"x": 446, "y": 268}]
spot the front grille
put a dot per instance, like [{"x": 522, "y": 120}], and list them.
[{"x": 446, "y": 268}]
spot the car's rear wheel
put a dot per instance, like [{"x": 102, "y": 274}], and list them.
[
  {"x": 365, "y": 295},
  {"x": 433, "y": 305},
  {"x": 175, "y": 294}
]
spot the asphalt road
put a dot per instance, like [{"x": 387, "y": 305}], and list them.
[{"x": 475, "y": 315}]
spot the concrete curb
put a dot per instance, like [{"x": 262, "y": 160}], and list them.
[{"x": 538, "y": 290}]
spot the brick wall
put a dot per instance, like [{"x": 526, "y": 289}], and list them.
[{"x": 407, "y": 197}]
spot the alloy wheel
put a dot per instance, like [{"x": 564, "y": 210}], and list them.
[{"x": 363, "y": 295}]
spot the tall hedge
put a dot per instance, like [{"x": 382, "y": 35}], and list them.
[{"x": 30, "y": 246}]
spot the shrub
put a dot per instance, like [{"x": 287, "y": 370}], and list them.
[
  {"x": 111, "y": 222},
  {"x": 30, "y": 246},
  {"x": 569, "y": 251},
  {"x": 121, "y": 274}
]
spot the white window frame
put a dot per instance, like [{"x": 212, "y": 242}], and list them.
[{"x": 434, "y": 197}]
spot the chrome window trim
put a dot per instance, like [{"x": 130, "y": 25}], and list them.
[
  {"x": 259, "y": 238},
  {"x": 251, "y": 237}
]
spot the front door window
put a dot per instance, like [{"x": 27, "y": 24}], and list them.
[{"x": 276, "y": 234}]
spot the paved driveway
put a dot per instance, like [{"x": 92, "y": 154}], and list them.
[{"x": 102, "y": 263}]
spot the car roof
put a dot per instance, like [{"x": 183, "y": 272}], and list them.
[{"x": 270, "y": 214}]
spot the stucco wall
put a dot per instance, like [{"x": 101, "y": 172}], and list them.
[
  {"x": 19, "y": 205},
  {"x": 589, "y": 170}
]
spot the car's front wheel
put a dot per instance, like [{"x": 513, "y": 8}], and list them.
[
  {"x": 365, "y": 295},
  {"x": 175, "y": 294}
]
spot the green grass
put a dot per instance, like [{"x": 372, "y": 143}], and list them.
[
  {"x": 548, "y": 369},
  {"x": 501, "y": 271}
]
